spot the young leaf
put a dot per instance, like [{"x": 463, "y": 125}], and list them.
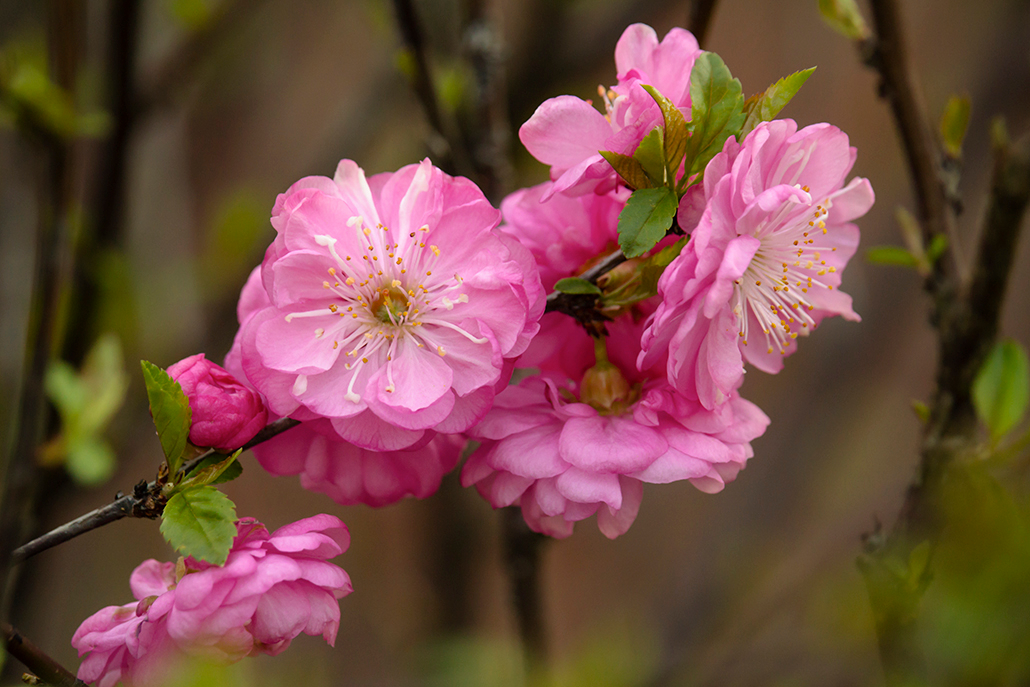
[
  {"x": 645, "y": 219},
  {"x": 627, "y": 168},
  {"x": 891, "y": 255},
  {"x": 763, "y": 107},
  {"x": 676, "y": 131},
  {"x": 651, "y": 156},
  {"x": 1001, "y": 389},
  {"x": 575, "y": 285},
  {"x": 953, "y": 124},
  {"x": 200, "y": 523},
  {"x": 214, "y": 469},
  {"x": 90, "y": 461},
  {"x": 843, "y": 16},
  {"x": 938, "y": 244},
  {"x": 716, "y": 111},
  {"x": 652, "y": 270},
  {"x": 171, "y": 412}
]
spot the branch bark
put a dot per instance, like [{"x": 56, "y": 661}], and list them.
[
  {"x": 143, "y": 502},
  {"x": 522, "y": 548},
  {"x": 700, "y": 19},
  {"x": 36, "y": 660}
]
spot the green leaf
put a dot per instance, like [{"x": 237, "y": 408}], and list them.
[
  {"x": 171, "y": 411},
  {"x": 676, "y": 132},
  {"x": 651, "y": 156},
  {"x": 655, "y": 266},
  {"x": 716, "y": 111},
  {"x": 843, "y": 16},
  {"x": 763, "y": 107},
  {"x": 645, "y": 219},
  {"x": 891, "y": 255},
  {"x": 627, "y": 168},
  {"x": 65, "y": 390},
  {"x": 105, "y": 378},
  {"x": 922, "y": 410},
  {"x": 200, "y": 523},
  {"x": 1001, "y": 389},
  {"x": 575, "y": 285},
  {"x": 938, "y": 244},
  {"x": 215, "y": 469},
  {"x": 954, "y": 122},
  {"x": 90, "y": 461}
]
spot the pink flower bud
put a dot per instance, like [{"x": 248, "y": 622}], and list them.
[{"x": 226, "y": 414}]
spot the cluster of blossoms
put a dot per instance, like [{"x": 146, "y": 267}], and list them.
[
  {"x": 391, "y": 311},
  {"x": 272, "y": 588}
]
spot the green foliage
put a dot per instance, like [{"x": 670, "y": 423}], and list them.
[
  {"x": 192, "y": 14},
  {"x": 844, "y": 17},
  {"x": 86, "y": 402},
  {"x": 1001, "y": 389},
  {"x": 32, "y": 102},
  {"x": 654, "y": 267},
  {"x": 472, "y": 662},
  {"x": 239, "y": 232},
  {"x": 954, "y": 122},
  {"x": 891, "y": 255},
  {"x": 645, "y": 219},
  {"x": 651, "y": 156},
  {"x": 675, "y": 135},
  {"x": 763, "y": 107},
  {"x": 575, "y": 285},
  {"x": 452, "y": 86},
  {"x": 171, "y": 412},
  {"x": 200, "y": 523},
  {"x": 716, "y": 111},
  {"x": 628, "y": 168},
  {"x": 215, "y": 469}
]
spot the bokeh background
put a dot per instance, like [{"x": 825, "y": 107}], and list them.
[{"x": 754, "y": 586}]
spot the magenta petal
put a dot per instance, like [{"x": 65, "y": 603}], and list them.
[
  {"x": 564, "y": 130},
  {"x": 586, "y": 487},
  {"x": 615, "y": 522}
]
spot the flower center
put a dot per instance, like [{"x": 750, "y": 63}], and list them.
[
  {"x": 791, "y": 261},
  {"x": 389, "y": 292}
]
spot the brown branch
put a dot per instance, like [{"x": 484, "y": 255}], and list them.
[
  {"x": 444, "y": 141},
  {"x": 522, "y": 559},
  {"x": 36, "y": 660},
  {"x": 888, "y": 54},
  {"x": 700, "y": 19},
  {"x": 169, "y": 77},
  {"x": 144, "y": 502}
]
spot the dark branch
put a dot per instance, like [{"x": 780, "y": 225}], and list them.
[
  {"x": 888, "y": 54},
  {"x": 701, "y": 12},
  {"x": 522, "y": 559},
  {"x": 444, "y": 141},
  {"x": 144, "y": 502},
  {"x": 570, "y": 303},
  {"x": 44, "y": 667}
]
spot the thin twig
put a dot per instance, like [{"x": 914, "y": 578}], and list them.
[
  {"x": 700, "y": 19},
  {"x": 572, "y": 303},
  {"x": 444, "y": 141},
  {"x": 888, "y": 54},
  {"x": 36, "y": 660},
  {"x": 51, "y": 267},
  {"x": 144, "y": 502},
  {"x": 522, "y": 559}
]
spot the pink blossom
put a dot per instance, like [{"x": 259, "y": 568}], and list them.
[
  {"x": 271, "y": 589},
  {"x": 563, "y": 461},
  {"x": 226, "y": 414},
  {"x": 567, "y": 132},
  {"x": 391, "y": 306},
  {"x": 764, "y": 263},
  {"x": 349, "y": 474}
]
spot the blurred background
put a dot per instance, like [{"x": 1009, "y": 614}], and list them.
[{"x": 235, "y": 100}]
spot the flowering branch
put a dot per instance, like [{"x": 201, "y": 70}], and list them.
[
  {"x": 42, "y": 665},
  {"x": 144, "y": 502},
  {"x": 965, "y": 314}
]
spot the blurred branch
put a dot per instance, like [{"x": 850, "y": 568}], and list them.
[
  {"x": 181, "y": 66},
  {"x": 51, "y": 267},
  {"x": 966, "y": 317},
  {"x": 44, "y": 667},
  {"x": 492, "y": 139},
  {"x": 444, "y": 141},
  {"x": 887, "y": 53},
  {"x": 522, "y": 559},
  {"x": 700, "y": 19},
  {"x": 144, "y": 502}
]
